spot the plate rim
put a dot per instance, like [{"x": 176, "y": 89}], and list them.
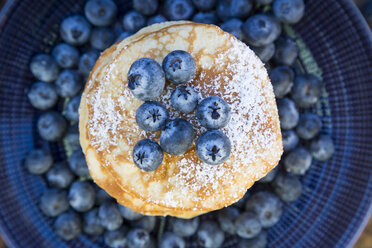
[{"x": 365, "y": 35}]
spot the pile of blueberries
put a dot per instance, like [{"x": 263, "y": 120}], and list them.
[
  {"x": 146, "y": 80},
  {"x": 79, "y": 206}
]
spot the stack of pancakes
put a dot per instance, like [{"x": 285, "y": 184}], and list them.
[{"x": 182, "y": 186}]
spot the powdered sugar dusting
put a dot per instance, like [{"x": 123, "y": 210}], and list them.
[
  {"x": 244, "y": 82},
  {"x": 244, "y": 93},
  {"x": 105, "y": 122}
]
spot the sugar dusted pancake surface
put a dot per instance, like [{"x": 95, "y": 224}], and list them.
[{"x": 183, "y": 185}]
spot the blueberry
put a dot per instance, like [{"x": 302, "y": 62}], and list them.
[
  {"x": 60, "y": 176},
  {"x": 247, "y": 225},
  {"x": 71, "y": 139},
  {"x": 147, "y": 155},
  {"x": 44, "y": 67},
  {"x": 123, "y": 36},
  {"x": 42, "y": 95},
  {"x": 177, "y": 137},
  {"x": 101, "y": 38},
  {"x": 205, "y": 17},
  {"x": 289, "y": 11},
  {"x": 176, "y": 10},
  {"x": 282, "y": 80},
  {"x": 171, "y": 240},
  {"x": 116, "y": 238},
  {"x": 226, "y": 218},
  {"x": 78, "y": 164},
  {"x": 286, "y": 51},
  {"x": 205, "y": 5},
  {"x": 213, "y": 112},
  {"x": 100, "y": 12},
  {"x": 306, "y": 90},
  {"x": 270, "y": 175},
  {"x": 87, "y": 62},
  {"x": 138, "y": 238},
  {"x": 265, "y": 53},
  {"x": 75, "y": 30},
  {"x": 68, "y": 83},
  {"x": 51, "y": 126},
  {"x": 261, "y": 29},
  {"x": 263, "y": 1},
  {"x": 156, "y": 19},
  {"x": 38, "y": 161},
  {"x": 66, "y": 56},
  {"x": 210, "y": 235},
  {"x": 179, "y": 67},
  {"x": 227, "y": 9},
  {"x": 152, "y": 116},
  {"x": 290, "y": 140},
  {"x": 110, "y": 216},
  {"x": 258, "y": 242},
  {"x": 146, "y": 7},
  {"x": 128, "y": 213},
  {"x": 213, "y": 147},
  {"x": 287, "y": 186},
  {"x": 309, "y": 126},
  {"x": 54, "y": 202},
  {"x": 146, "y": 79},
  {"x": 184, "y": 99},
  {"x": 92, "y": 223},
  {"x": 146, "y": 222},
  {"x": 133, "y": 21},
  {"x": 81, "y": 196},
  {"x": 184, "y": 227},
  {"x": 71, "y": 110},
  {"x": 234, "y": 27},
  {"x": 68, "y": 226},
  {"x": 322, "y": 148},
  {"x": 101, "y": 196},
  {"x": 117, "y": 27},
  {"x": 266, "y": 206},
  {"x": 288, "y": 113},
  {"x": 298, "y": 161}
]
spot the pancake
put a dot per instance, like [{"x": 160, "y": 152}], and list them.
[{"x": 182, "y": 186}]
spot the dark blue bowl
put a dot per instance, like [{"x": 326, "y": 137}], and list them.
[{"x": 336, "y": 202}]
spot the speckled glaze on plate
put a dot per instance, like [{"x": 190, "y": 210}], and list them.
[{"x": 336, "y": 202}]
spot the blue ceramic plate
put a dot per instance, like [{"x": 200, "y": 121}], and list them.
[{"x": 335, "y": 43}]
